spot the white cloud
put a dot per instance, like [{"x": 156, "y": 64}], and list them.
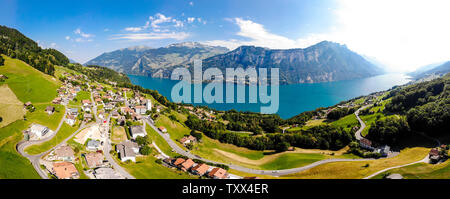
[
  {"x": 82, "y": 34},
  {"x": 255, "y": 34},
  {"x": 159, "y": 19},
  {"x": 403, "y": 34},
  {"x": 133, "y": 29},
  {"x": 155, "y": 23},
  {"x": 152, "y": 36},
  {"x": 67, "y": 37},
  {"x": 190, "y": 19},
  {"x": 191, "y": 3}
]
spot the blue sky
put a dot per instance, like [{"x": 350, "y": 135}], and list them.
[{"x": 394, "y": 32}]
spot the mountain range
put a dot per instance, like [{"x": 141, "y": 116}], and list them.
[
  {"x": 323, "y": 62},
  {"x": 432, "y": 70},
  {"x": 142, "y": 60}
]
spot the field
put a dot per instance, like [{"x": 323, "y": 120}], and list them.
[
  {"x": 266, "y": 160},
  {"x": 65, "y": 131},
  {"x": 357, "y": 170},
  {"x": 175, "y": 129},
  {"x": 159, "y": 141},
  {"x": 347, "y": 122},
  {"x": 12, "y": 164},
  {"x": 27, "y": 83},
  {"x": 309, "y": 124},
  {"x": 118, "y": 135},
  {"x": 82, "y": 95},
  {"x": 422, "y": 171},
  {"x": 39, "y": 116},
  {"x": 11, "y": 109}
]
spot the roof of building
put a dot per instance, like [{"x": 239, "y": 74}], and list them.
[
  {"x": 93, "y": 143},
  {"x": 395, "y": 176},
  {"x": 106, "y": 173},
  {"x": 50, "y": 108},
  {"x": 186, "y": 138},
  {"x": 126, "y": 149},
  {"x": 178, "y": 161},
  {"x": 218, "y": 173},
  {"x": 94, "y": 159},
  {"x": 366, "y": 141},
  {"x": 64, "y": 151},
  {"x": 187, "y": 164},
  {"x": 201, "y": 168},
  {"x": 64, "y": 170},
  {"x": 434, "y": 152},
  {"x": 136, "y": 130},
  {"x": 38, "y": 128}
]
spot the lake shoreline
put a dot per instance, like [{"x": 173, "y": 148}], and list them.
[{"x": 293, "y": 98}]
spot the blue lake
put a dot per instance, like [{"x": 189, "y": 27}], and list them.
[{"x": 294, "y": 98}]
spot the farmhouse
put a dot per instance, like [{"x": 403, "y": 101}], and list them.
[
  {"x": 50, "y": 110},
  {"x": 366, "y": 144},
  {"x": 136, "y": 131},
  {"x": 163, "y": 129},
  {"x": 188, "y": 139}
]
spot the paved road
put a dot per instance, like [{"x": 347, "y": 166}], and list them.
[
  {"x": 363, "y": 125},
  {"x": 34, "y": 159},
  {"x": 179, "y": 150},
  {"x": 110, "y": 159},
  {"x": 424, "y": 160}
]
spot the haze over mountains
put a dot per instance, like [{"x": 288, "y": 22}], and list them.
[
  {"x": 433, "y": 70},
  {"x": 323, "y": 62}
]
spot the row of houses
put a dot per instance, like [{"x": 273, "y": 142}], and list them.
[{"x": 200, "y": 169}]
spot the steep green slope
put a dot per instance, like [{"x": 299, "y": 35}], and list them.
[{"x": 27, "y": 83}]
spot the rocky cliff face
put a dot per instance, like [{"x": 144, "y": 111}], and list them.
[{"x": 323, "y": 62}]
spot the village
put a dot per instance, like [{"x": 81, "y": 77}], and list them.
[{"x": 95, "y": 109}]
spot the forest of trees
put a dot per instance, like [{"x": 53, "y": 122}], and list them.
[
  {"x": 321, "y": 137},
  {"x": 337, "y": 113},
  {"x": 253, "y": 122},
  {"x": 426, "y": 106},
  {"x": 389, "y": 131},
  {"x": 16, "y": 45}
]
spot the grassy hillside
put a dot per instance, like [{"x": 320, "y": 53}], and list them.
[
  {"x": 11, "y": 109},
  {"x": 27, "y": 83}
]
